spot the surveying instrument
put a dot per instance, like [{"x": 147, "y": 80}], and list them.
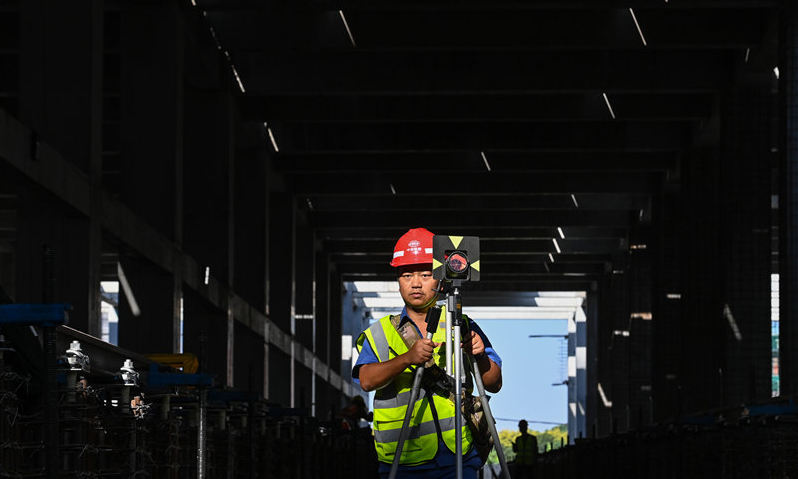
[{"x": 455, "y": 259}]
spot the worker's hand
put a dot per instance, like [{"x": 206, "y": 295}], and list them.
[
  {"x": 421, "y": 352},
  {"x": 474, "y": 346}
]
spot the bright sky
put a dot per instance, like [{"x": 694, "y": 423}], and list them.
[{"x": 530, "y": 367}]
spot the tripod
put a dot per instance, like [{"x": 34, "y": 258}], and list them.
[{"x": 454, "y": 328}]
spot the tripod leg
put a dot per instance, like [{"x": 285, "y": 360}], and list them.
[
  {"x": 433, "y": 316},
  {"x": 458, "y": 417},
  {"x": 449, "y": 309},
  {"x": 489, "y": 416},
  {"x": 408, "y": 414}
]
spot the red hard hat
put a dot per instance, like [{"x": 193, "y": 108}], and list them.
[{"x": 414, "y": 247}]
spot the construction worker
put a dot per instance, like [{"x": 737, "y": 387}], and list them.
[
  {"x": 525, "y": 448},
  {"x": 386, "y": 364},
  {"x": 354, "y": 412}
]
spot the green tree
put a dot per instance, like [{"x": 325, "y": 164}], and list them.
[{"x": 552, "y": 438}]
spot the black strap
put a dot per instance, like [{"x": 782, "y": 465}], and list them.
[{"x": 429, "y": 396}]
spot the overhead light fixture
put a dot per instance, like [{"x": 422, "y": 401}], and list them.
[
  {"x": 393, "y": 190},
  {"x": 556, "y": 246},
  {"x": 674, "y": 296},
  {"x": 747, "y": 52},
  {"x": 607, "y": 402},
  {"x": 207, "y": 274},
  {"x": 776, "y": 72},
  {"x": 638, "y": 26},
  {"x": 609, "y": 107},
  {"x": 182, "y": 321},
  {"x": 348, "y": 31},
  {"x": 551, "y": 257},
  {"x": 559, "y": 230},
  {"x": 310, "y": 204},
  {"x": 235, "y": 72},
  {"x": 271, "y": 137},
  {"x": 213, "y": 33},
  {"x": 485, "y": 159},
  {"x": 732, "y": 323},
  {"x": 573, "y": 198}
]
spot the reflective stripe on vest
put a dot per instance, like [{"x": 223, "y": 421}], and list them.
[{"x": 391, "y": 401}]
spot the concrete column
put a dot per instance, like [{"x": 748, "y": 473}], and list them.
[
  {"x": 701, "y": 330},
  {"x": 322, "y": 337},
  {"x": 322, "y": 309},
  {"x": 617, "y": 390},
  {"x": 305, "y": 283},
  {"x": 61, "y": 49},
  {"x": 592, "y": 399},
  {"x": 94, "y": 319},
  {"x": 602, "y": 420},
  {"x": 151, "y": 105},
  {"x": 667, "y": 306},
  {"x": 640, "y": 283},
  {"x": 40, "y": 223},
  {"x": 281, "y": 244},
  {"x": 577, "y": 375},
  {"x": 788, "y": 203},
  {"x": 151, "y": 75},
  {"x": 745, "y": 241},
  {"x": 304, "y": 308},
  {"x": 281, "y": 293},
  {"x": 335, "y": 324}
]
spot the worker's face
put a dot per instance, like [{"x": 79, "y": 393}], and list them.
[{"x": 417, "y": 287}]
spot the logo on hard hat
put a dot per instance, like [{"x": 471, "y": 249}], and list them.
[{"x": 414, "y": 246}]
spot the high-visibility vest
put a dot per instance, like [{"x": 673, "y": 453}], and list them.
[
  {"x": 390, "y": 403},
  {"x": 526, "y": 448}
]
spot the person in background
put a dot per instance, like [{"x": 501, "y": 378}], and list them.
[
  {"x": 354, "y": 412},
  {"x": 525, "y": 448}
]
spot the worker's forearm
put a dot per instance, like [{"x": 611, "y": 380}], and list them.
[
  {"x": 491, "y": 373},
  {"x": 376, "y": 375}
]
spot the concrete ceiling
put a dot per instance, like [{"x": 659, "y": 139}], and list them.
[{"x": 546, "y": 128}]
